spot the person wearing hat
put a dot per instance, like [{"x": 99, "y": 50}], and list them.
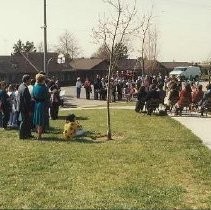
[
  {"x": 24, "y": 108},
  {"x": 78, "y": 87}
]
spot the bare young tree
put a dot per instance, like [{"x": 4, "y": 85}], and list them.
[
  {"x": 144, "y": 29},
  {"x": 68, "y": 45},
  {"x": 151, "y": 47},
  {"x": 114, "y": 29}
]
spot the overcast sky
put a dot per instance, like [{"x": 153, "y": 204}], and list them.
[{"x": 184, "y": 25}]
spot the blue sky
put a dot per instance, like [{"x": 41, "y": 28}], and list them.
[{"x": 184, "y": 25}]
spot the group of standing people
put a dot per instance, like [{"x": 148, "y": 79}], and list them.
[
  {"x": 119, "y": 88},
  {"x": 32, "y": 102}
]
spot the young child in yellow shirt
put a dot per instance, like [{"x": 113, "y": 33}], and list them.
[{"x": 72, "y": 128}]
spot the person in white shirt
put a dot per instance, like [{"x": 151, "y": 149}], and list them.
[{"x": 78, "y": 87}]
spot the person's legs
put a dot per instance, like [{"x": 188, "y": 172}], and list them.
[
  {"x": 56, "y": 110},
  {"x": 10, "y": 119},
  {"x": 25, "y": 126},
  {"x": 95, "y": 94},
  {"x": 52, "y": 111},
  {"x": 14, "y": 119},
  {"x": 0, "y": 119},
  {"x": 78, "y": 92},
  {"x": 46, "y": 119},
  {"x": 39, "y": 131},
  {"x": 80, "y": 132},
  {"x": 88, "y": 94},
  {"x": 138, "y": 106},
  {"x": 5, "y": 119}
]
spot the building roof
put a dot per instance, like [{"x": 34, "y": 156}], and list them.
[
  {"x": 19, "y": 64},
  {"x": 85, "y": 63},
  {"x": 5, "y": 64},
  {"x": 128, "y": 64},
  {"x": 134, "y": 64},
  {"x": 171, "y": 65},
  {"x": 36, "y": 59}
]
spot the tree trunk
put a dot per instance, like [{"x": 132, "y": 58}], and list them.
[
  {"x": 109, "y": 135},
  {"x": 142, "y": 55}
]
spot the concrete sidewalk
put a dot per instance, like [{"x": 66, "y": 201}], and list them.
[{"x": 200, "y": 126}]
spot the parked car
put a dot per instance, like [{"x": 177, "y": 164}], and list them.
[{"x": 189, "y": 72}]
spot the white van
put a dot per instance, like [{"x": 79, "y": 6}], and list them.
[{"x": 188, "y": 72}]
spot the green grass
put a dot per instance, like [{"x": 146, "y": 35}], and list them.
[
  {"x": 153, "y": 162},
  {"x": 114, "y": 104}
]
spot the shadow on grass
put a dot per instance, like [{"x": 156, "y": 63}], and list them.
[
  {"x": 69, "y": 105},
  {"x": 144, "y": 113},
  {"x": 89, "y": 137},
  {"x": 192, "y": 115},
  {"x": 54, "y": 130},
  {"x": 77, "y": 118}
]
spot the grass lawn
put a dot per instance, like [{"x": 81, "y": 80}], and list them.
[
  {"x": 114, "y": 104},
  {"x": 153, "y": 162}
]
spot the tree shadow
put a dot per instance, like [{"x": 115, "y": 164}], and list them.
[{"x": 77, "y": 118}]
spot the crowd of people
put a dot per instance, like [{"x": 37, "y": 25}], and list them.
[
  {"x": 123, "y": 86},
  {"x": 27, "y": 106},
  {"x": 173, "y": 94},
  {"x": 149, "y": 91}
]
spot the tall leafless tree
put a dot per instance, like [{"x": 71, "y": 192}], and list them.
[
  {"x": 114, "y": 29},
  {"x": 151, "y": 47},
  {"x": 144, "y": 29},
  {"x": 68, "y": 45}
]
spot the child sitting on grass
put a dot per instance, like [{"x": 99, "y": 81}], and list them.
[{"x": 72, "y": 128}]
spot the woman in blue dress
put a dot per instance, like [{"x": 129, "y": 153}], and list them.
[{"x": 40, "y": 95}]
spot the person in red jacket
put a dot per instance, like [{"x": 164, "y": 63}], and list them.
[
  {"x": 197, "y": 95},
  {"x": 185, "y": 99}
]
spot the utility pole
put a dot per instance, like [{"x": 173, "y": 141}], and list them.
[
  {"x": 45, "y": 39},
  {"x": 209, "y": 70}
]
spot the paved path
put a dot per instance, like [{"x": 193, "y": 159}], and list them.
[{"x": 200, "y": 126}]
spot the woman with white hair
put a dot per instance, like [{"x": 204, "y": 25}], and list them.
[
  {"x": 40, "y": 95},
  {"x": 78, "y": 87}
]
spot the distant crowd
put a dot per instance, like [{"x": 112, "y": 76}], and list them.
[{"x": 150, "y": 92}]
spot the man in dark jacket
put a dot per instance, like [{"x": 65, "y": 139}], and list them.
[
  {"x": 5, "y": 105},
  {"x": 152, "y": 99},
  {"x": 24, "y": 108},
  {"x": 97, "y": 87}
]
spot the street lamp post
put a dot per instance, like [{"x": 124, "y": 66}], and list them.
[
  {"x": 45, "y": 39},
  {"x": 209, "y": 73}
]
